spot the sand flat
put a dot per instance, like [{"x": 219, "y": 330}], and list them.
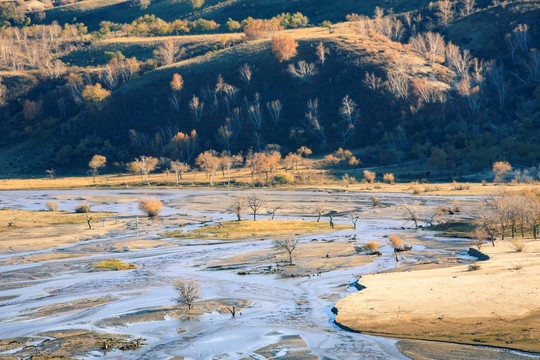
[{"x": 496, "y": 305}]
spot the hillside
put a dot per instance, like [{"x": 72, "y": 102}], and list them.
[
  {"x": 92, "y": 12},
  {"x": 387, "y": 86}
]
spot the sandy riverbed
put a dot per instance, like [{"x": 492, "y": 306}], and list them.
[{"x": 495, "y": 305}]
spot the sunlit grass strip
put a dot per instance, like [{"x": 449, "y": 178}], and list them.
[
  {"x": 113, "y": 264},
  {"x": 260, "y": 228}
]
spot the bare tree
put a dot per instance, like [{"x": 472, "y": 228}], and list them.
[
  {"x": 487, "y": 223},
  {"x": 246, "y": 73},
  {"x": 373, "y": 82},
  {"x": 168, "y": 53},
  {"x": 196, "y": 107},
  {"x": 468, "y": 7},
  {"x": 445, "y": 11},
  {"x": 313, "y": 119},
  {"x": 411, "y": 211},
  {"x": 321, "y": 53},
  {"x": 238, "y": 206},
  {"x": 179, "y": 168},
  {"x": 320, "y": 209},
  {"x": 354, "y": 219},
  {"x": 96, "y": 163},
  {"x": 189, "y": 291},
  {"x": 287, "y": 244},
  {"x": 274, "y": 108},
  {"x": 146, "y": 165},
  {"x": 398, "y": 84},
  {"x": 303, "y": 71},
  {"x": 255, "y": 202}
]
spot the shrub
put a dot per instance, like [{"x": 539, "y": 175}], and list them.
[
  {"x": 284, "y": 47},
  {"x": 398, "y": 244},
  {"x": 283, "y": 178},
  {"x": 375, "y": 200},
  {"x": 389, "y": 178},
  {"x": 369, "y": 176},
  {"x": 501, "y": 169},
  {"x": 52, "y": 205},
  {"x": 113, "y": 264},
  {"x": 82, "y": 209},
  {"x": 474, "y": 267},
  {"x": 151, "y": 206},
  {"x": 371, "y": 248},
  {"x": 458, "y": 186},
  {"x": 518, "y": 244}
]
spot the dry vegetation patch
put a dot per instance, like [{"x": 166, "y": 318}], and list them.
[
  {"x": 260, "y": 228},
  {"x": 114, "y": 264},
  {"x": 24, "y": 219}
]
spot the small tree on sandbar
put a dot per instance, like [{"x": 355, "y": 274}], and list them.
[
  {"x": 288, "y": 245},
  {"x": 189, "y": 291},
  {"x": 255, "y": 202},
  {"x": 96, "y": 163},
  {"x": 237, "y": 207}
]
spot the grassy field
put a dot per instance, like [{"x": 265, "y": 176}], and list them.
[
  {"x": 23, "y": 219},
  {"x": 143, "y": 48},
  {"x": 260, "y": 228}
]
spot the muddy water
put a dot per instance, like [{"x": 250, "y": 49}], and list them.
[{"x": 280, "y": 307}]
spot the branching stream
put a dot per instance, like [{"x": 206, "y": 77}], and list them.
[{"x": 279, "y": 306}]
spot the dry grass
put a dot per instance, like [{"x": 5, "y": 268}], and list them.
[
  {"x": 518, "y": 244},
  {"x": 52, "y": 205},
  {"x": 151, "y": 206},
  {"x": 23, "y": 219},
  {"x": 113, "y": 264},
  {"x": 260, "y": 228},
  {"x": 370, "y": 248}
]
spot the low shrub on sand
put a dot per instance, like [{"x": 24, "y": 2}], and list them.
[
  {"x": 82, "y": 209},
  {"x": 150, "y": 206},
  {"x": 398, "y": 244},
  {"x": 113, "y": 264},
  {"x": 52, "y": 205}
]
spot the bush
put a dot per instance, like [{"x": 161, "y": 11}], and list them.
[
  {"x": 284, "y": 47},
  {"x": 52, "y": 205},
  {"x": 372, "y": 248},
  {"x": 82, "y": 209},
  {"x": 369, "y": 176},
  {"x": 474, "y": 267},
  {"x": 518, "y": 244},
  {"x": 398, "y": 244},
  {"x": 283, "y": 178},
  {"x": 389, "y": 178},
  {"x": 114, "y": 264},
  {"x": 151, "y": 206}
]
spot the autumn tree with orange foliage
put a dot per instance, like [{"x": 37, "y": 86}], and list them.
[
  {"x": 183, "y": 146},
  {"x": 259, "y": 29},
  {"x": 209, "y": 162},
  {"x": 284, "y": 47}
]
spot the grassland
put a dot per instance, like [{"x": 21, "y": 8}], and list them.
[
  {"x": 23, "y": 219},
  {"x": 261, "y": 229}
]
